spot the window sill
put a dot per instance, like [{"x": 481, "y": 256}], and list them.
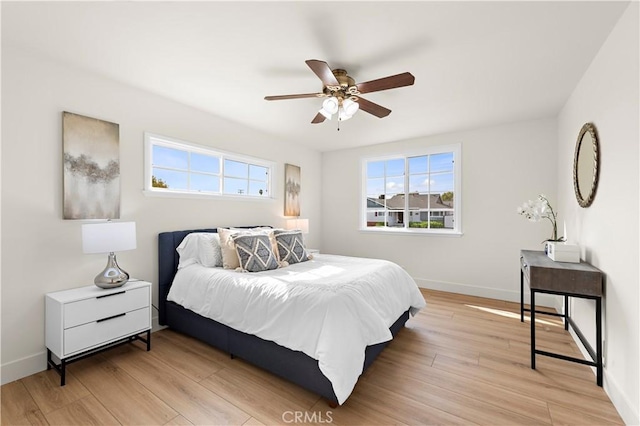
[
  {"x": 170, "y": 194},
  {"x": 414, "y": 231}
]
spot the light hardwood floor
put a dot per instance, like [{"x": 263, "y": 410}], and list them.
[{"x": 462, "y": 360}]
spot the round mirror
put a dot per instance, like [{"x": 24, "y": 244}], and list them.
[{"x": 585, "y": 165}]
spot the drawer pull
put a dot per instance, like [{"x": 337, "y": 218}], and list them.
[
  {"x": 112, "y": 317},
  {"x": 112, "y": 294}
]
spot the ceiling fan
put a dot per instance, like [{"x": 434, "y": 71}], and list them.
[{"x": 342, "y": 94}]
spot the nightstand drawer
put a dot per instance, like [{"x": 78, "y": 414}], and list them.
[
  {"x": 103, "y": 306},
  {"x": 105, "y": 329}
]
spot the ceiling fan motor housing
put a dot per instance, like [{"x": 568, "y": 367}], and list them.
[
  {"x": 343, "y": 78},
  {"x": 346, "y": 88}
]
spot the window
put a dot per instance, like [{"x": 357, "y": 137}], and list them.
[
  {"x": 413, "y": 193},
  {"x": 176, "y": 167}
]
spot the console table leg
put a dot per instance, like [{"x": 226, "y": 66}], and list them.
[
  {"x": 533, "y": 329},
  {"x": 521, "y": 296},
  {"x": 566, "y": 313},
  {"x": 599, "y": 341}
]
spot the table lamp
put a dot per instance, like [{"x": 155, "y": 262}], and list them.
[
  {"x": 109, "y": 237},
  {"x": 301, "y": 224}
]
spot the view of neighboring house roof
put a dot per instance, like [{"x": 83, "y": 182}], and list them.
[
  {"x": 416, "y": 201},
  {"x": 375, "y": 203}
]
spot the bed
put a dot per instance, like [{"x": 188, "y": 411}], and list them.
[{"x": 292, "y": 364}]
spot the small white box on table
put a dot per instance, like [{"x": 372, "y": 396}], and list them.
[{"x": 563, "y": 252}]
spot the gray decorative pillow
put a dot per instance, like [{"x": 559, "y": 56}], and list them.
[
  {"x": 291, "y": 246},
  {"x": 254, "y": 252}
]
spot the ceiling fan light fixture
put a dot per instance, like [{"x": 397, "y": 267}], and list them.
[
  {"x": 343, "y": 116},
  {"x": 330, "y": 106},
  {"x": 350, "y": 107}
]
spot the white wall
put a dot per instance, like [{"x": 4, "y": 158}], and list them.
[
  {"x": 607, "y": 232},
  {"x": 502, "y": 167},
  {"x": 43, "y": 253}
]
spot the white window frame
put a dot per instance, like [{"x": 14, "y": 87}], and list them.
[
  {"x": 151, "y": 139},
  {"x": 456, "y": 149}
]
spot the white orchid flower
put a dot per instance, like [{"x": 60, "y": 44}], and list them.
[{"x": 538, "y": 210}]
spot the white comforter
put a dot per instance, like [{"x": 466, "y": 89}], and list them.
[{"x": 330, "y": 307}]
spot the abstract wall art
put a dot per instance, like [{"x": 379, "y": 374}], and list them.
[
  {"x": 291, "y": 190},
  {"x": 91, "y": 177}
]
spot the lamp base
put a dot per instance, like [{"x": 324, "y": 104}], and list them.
[{"x": 112, "y": 276}]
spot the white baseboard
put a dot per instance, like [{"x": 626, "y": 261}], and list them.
[
  {"x": 626, "y": 409},
  {"x": 23, "y": 367},
  {"x": 546, "y": 300},
  {"x": 629, "y": 414}
]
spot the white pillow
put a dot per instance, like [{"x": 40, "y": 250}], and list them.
[
  {"x": 229, "y": 256},
  {"x": 228, "y": 248},
  {"x": 202, "y": 248}
]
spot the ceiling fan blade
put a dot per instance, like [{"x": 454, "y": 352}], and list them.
[
  {"x": 324, "y": 73},
  {"x": 391, "y": 82},
  {"x": 319, "y": 118},
  {"x": 373, "y": 108},
  {"x": 298, "y": 96}
]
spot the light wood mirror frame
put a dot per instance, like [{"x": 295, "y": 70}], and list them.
[{"x": 586, "y": 165}]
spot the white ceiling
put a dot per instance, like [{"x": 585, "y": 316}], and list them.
[{"x": 476, "y": 64}]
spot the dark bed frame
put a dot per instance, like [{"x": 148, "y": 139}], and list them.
[{"x": 294, "y": 366}]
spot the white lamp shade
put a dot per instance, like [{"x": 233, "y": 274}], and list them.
[
  {"x": 343, "y": 116},
  {"x": 108, "y": 237},
  {"x": 330, "y": 105},
  {"x": 301, "y": 224},
  {"x": 350, "y": 107}
]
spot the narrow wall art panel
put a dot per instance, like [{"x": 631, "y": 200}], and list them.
[
  {"x": 291, "y": 190},
  {"x": 91, "y": 167}
]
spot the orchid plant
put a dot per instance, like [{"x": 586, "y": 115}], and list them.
[{"x": 539, "y": 209}]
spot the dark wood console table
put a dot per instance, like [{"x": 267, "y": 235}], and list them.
[{"x": 565, "y": 279}]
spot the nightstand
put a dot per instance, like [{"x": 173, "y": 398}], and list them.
[{"x": 84, "y": 321}]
